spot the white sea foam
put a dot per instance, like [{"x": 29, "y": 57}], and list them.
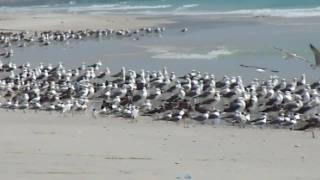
[
  {"x": 81, "y": 8},
  {"x": 168, "y": 9},
  {"x": 186, "y": 6},
  {"x": 167, "y": 53},
  {"x": 72, "y": 2},
  {"x": 286, "y": 13},
  {"x": 117, "y": 7},
  {"x": 310, "y": 12}
]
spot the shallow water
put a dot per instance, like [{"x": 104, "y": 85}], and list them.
[{"x": 213, "y": 44}]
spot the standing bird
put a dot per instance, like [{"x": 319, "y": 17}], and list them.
[
  {"x": 262, "y": 120},
  {"x": 135, "y": 113},
  {"x": 237, "y": 105}
]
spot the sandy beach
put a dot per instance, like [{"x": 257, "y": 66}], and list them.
[
  {"x": 52, "y": 146},
  {"x": 28, "y": 21},
  {"x": 42, "y": 146}
]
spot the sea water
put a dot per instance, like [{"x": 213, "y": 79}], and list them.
[
  {"x": 222, "y": 35},
  {"x": 294, "y": 8}
]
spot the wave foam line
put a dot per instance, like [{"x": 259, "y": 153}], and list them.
[
  {"x": 167, "y": 54},
  {"x": 311, "y": 12},
  {"x": 286, "y": 13},
  {"x": 168, "y": 9},
  {"x": 104, "y": 7},
  {"x": 186, "y": 6}
]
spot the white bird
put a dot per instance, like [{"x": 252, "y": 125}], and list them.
[
  {"x": 262, "y": 120},
  {"x": 289, "y": 55},
  {"x": 135, "y": 113},
  {"x": 260, "y": 70}
]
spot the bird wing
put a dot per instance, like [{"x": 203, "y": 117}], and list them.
[
  {"x": 301, "y": 58},
  {"x": 288, "y": 55},
  {"x": 316, "y": 53}
]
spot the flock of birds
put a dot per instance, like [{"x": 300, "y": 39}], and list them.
[
  {"x": 162, "y": 95},
  {"x": 10, "y": 40},
  {"x": 159, "y": 94}
]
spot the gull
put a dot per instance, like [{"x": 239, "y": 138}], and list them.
[
  {"x": 291, "y": 121},
  {"x": 135, "y": 113},
  {"x": 167, "y": 116},
  {"x": 155, "y": 95},
  {"x": 236, "y": 117},
  {"x": 178, "y": 116},
  {"x": 280, "y": 119},
  {"x": 312, "y": 122},
  {"x": 212, "y": 101},
  {"x": 262, "y": 120},
  {"x": 184, "y": 30},
  {"x": 260, "y": 70},
  {"x": 288, "y": 55},
  {"x": 237, "y": 105},
  {"x": 147, "y": 106},
  {"x": 215, "y": 116},
  {"x": 36, "y": 106},
  {"x": 252, "y": 103},
  {"x": 201, "y": 117},
  {"x": 316, "y": 53}
]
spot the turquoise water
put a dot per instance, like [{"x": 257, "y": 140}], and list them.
[
  {"x": 286, "y": 8},
  {"x": 203, "y": 4},
  {"x": 216, "y": 4}
]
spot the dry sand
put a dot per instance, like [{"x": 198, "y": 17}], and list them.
[
  {"x": 43, "y": 146},
  {"x": 52, "y": 147},
  {"x": 64, "y": 21}
]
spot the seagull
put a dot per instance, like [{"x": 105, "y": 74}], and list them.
[
  {"x": 316, "y": 53},
  {"x": 135, "y": 113},
  {"x": 176, "y": 117},
  {"x": 215, "y": 116},
  {"x": 278, "y": 120},
  {"x": 262, "y": 120},
  {"x": 236, "y": 117},
  {"x": 237, "y": 105},
  {"x": 184, "y": 30},
  {"x": 260, "y": 70},
  {"x": 312, "y": 122},
  {"x": 201, "y": 117},
  {"x": 288, "y": 55}
]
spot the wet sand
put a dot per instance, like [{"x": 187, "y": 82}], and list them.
[
  {"x": 28, "y": 21},
  {"x": 49, "y": 146}
]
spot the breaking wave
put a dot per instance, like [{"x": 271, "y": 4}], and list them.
[{"x": 167, "y": 9}]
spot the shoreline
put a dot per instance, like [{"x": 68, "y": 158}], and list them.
[
  {"x": 64, "y": 21},
  {"x": 27, "y": 21}
]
